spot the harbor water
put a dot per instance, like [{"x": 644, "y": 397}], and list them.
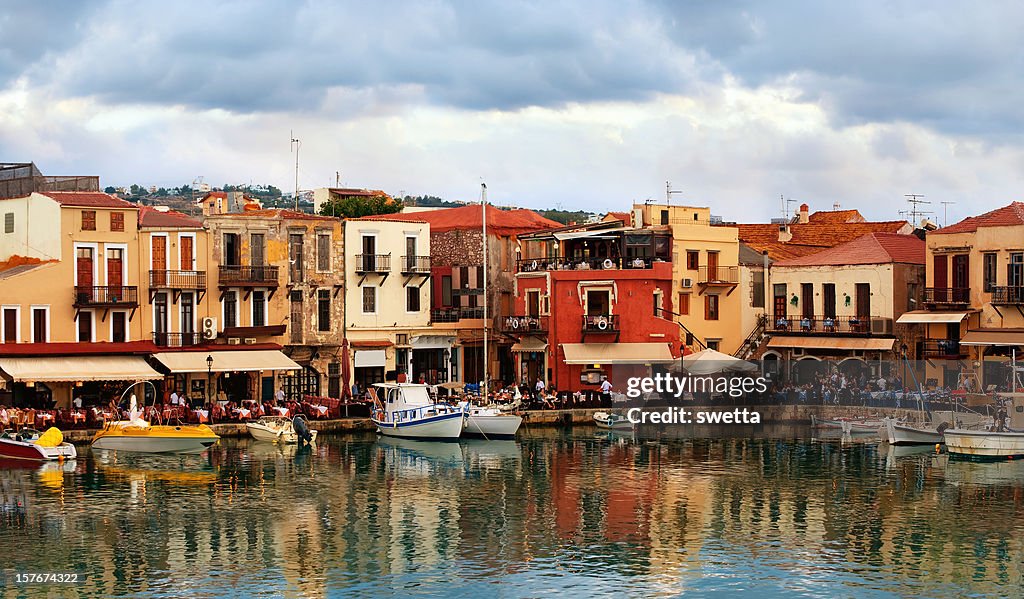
[{"x": 577, "y": 512}]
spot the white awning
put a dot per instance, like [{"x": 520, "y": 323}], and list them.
[
  {"x": 617, "y": 353},
  {"x": 432, "y": 342},
  {"x": 78, "y": 368},
  {"x": 226, "y": 361},
  {"x": 995, "y": 337},
  {"x": 370, "y": 358},
  {"x": 589, "y": 233},
  {"x": 847, "y": 343},
  {"x": 530, "y": 344},
  {"x": 927, "y": 317}
]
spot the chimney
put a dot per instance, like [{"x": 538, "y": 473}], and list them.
[
  {"x": 804, "y": 213},
  {"x": 785, "y": 235}
]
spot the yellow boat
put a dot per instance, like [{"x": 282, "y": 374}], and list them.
[{"x": 140, "y": 436}]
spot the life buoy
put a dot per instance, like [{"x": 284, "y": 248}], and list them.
[
  {"x": 515, "y": 323},
  {"x": 602, "y": 324},
  {"x": 533, "y": 265},
  {"x": 608, "y": 263}
]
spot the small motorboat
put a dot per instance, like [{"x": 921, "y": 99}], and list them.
[
  {"x": 275, "y": 429},
  {"x": 852, "y": 425},
  {"x": 912, "y": 434},
  {"x": 30, "y": 444},
  {"x": 612, "y": 421},
  {"x": 138, "y": 435},
  {"x": 407, "y": 410},
  {"x": 491, "y": 423}
]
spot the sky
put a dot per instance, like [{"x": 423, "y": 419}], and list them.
[{"x": 579, "y": 105}]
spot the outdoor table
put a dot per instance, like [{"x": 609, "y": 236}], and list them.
[{"x": 281, "y": 411}]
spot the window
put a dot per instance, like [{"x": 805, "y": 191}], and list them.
[
  {"x": 323, "y": 252},
  {"x": 160, "y": 321},
  {"x": 323, "y": 310},
  {"x": 118, "y": 327},
  {"x": 117, "y": 221},
  {"x": 990, "y": 272},
  {"x": 295, "y": 257},
  {"x": 9, "y": 222},
  {"x": 188, "y": 313},
  {"x": 711, "y": 307},
  {"x": 714, "y": 344},
  {"x": 296, "y": 320},
  {"x": 692, "y": 259},
  {"x": 231, "y": 254},
  {"x": 257, "y": 249},
  {"x": 40, "y": 324},
  {"x": 88, "y": 220},
  {"x": 85, "y": 327},
  {"x": 9, "y": 324},
  {"x": 412, "y": 299},
  {"x": 657, "y": 302},
  {"x": 684, "y": 304},
  {"x": 369, "y": 300},
  {"x": 446, "y": 290},
  {"x": 230, "y": 309},
  {"x": 757, "y": 290},
  {"x": 664, "y": 217},
  {"x": 259, "y": 308}
]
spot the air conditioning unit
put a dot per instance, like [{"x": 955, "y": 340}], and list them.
[
  {"x": 234, "y": 341},
  {"x": 250, "y": 340},
  {"x": 638, "y": 218},
  {"x": 687, "y": 283},
  {"x": 209, "y": 327},
  {"x": 881, "y": 326}
]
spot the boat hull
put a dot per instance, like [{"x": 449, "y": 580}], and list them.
[
  {"x": 603, "y": 420},
  {"x": 441, "y": 427},
  {"x": 263, "y": 433},
  {"x": 900, "y": 434},
  {"x": 25, "y": 450},
  {"x": 984, "y": 445},
  {"x": 156, "y": 439},
  {"x": 503, "y": 426}
]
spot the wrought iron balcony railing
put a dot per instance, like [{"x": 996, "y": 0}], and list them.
[
  {"x": 106, "y": 296},
  {"x": 373, "y": 263},
  {"x": 252, "y": 276}
]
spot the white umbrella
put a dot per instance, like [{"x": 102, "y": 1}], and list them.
[{"x": 709, "y": 361}]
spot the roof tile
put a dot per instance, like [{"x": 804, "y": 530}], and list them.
[
  {"x": 1007, "y": 216},
  {"x": 873, "y": 248}
]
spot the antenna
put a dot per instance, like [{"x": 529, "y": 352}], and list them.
[
  {"x": 295, "y": 144},
  {"x": 914, "y": 199},
  {"x": 337, "y": 178},
  {"x": 669, "y": 191},
  {"x": 785, "y": 206},
  {"x": 944, "y": 205}
]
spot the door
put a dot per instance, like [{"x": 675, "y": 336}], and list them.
[
  {"x": 115, "y": 271},
  {"x": 940, "y": 278},
  {"x": 863, "y": 307},
  {"x": 159, "y": 260},
  {"x": 533, "y": 303},
  {"x": 961, "y": 278},
  {"x": 187, "y": 252},
  {"x": 10, "y": 325},
  {"x": 295, "y": 322},
  {"x": 713, "y": 267},
  {"x": 369, "y": 253},
  {"x": 160, "y": 314},
  {"x": 807, "y": 300},
  {"x": 295, "y": 257},
  {"x": 410, "y": 253},
  {"x": 779, "y": 293},
  {"x": 84, "y": 266},
  {"x": 828, "y": 295},
  {"x": 118, "y": 327}
]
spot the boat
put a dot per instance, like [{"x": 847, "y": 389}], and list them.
[
  {"x": 897, "y": 433},
  {"x": 32, "y": 445},
  {"x": 275, "y": 429},
  {"x": 408, "y": 411},
  {"x": 491, "y": 423},
  {"x": 140, "y": 436},
  {"x": 982, "y": 445},
  {"x": 855, "y": 425},
  {"x": 612, "y": 421}
]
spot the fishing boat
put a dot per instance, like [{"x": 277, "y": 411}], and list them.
[
  {"x": 612, "y": 421},
  {"x": 491, "y": 423},
  {"x": 855, "y": 425},
  {"x": 408, "y": 411},
  {"x": 30, "y": 444},
  {"x": 911, "y": 434},
  {"x": 275, "y": 429}
]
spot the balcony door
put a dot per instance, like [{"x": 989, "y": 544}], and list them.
[
  {"x": 940, "y": 276},
  {"x": 828, "y": 295},
  {"x": 863, "y": 300},
  {"x": 961, "y": 276},
  {"x": 1015, "y": 270},
  {"x": 84, "y": 266},
  {"x": 533, "y": 303},
  {"x": 187, "y": 252},
  {"x": 779, "y": 301},
  {"x": 410, "y": 252},
  {"x": 713, "y": 266},
  {"x": 115, "y": 268},
  {"x": 599, "y": 303},
  {"x": 807, "y": 300},
  {"x": 369, "y": 252}
]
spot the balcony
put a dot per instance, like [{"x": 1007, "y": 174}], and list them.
[
  {"x": 106, "y": 297},
  {"x": 947, "y": 296},
  {"x": 562, "y": 263},
  {"x": 524, "y": 324},
  {"x": 373, "y": 263},
  {"x": 455, "y": 314},
  {"x": 247, "y": 276},
  {"x": 946, "y": 349},
  {"x": 1013, "y": 295},
  {"x": 177, "y": 279},
  {"x": 834, "y": 325},
  {"x": 718, "y": 275},
  {"x": 415, "y": 265},
  {"x": 177, "y": 339},
  {"x": 604, "y": 323}
]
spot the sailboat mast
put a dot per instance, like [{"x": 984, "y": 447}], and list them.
[{"x": 483, "y": 206}]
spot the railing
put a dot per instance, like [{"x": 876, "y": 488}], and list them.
[
  {"x": 524, "y": 324},
  {"x": 416, "y": 265},
  {"x": 947, "y": 295},
  {"x": 373, "y": 262},
  {"x": 821, "y": 324},
  {"x": 260, "y": 276},
  {"x": 455, "y": 314},
  {"x": 106, "y": 296},
  {"x": 1008, "y": 295},
  {"x": 718, "y": 275},
  {"x": 940, "y": 348},
  {"x": 177, "y": 339},
  {"x": 177, "y": 279},
  {"x": 607, "y": 323},
  {"x": 561, "y": 263}
]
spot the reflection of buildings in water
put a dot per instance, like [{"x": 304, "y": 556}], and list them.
[{"x": 298, "y": 543}]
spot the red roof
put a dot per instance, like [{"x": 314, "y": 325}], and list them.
[
  {"x": 88, "y": 199},
  {"x": 623, "y": 216},
  {"x": 151, "y": 217},
  {"x": 810, "y": 237},
  {"x": 873, "y": 248},
  {"x": 397, "y": 217},
  {"x": 1007, "y": 216},
  {"x": 503, "y": 223},
  {"x": 836, "y": 216}
]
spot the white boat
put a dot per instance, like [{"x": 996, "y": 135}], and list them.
[
  {"x": 491, "y": 423},
  {"x": 897, "y": 433},
  {"x": 984, "y": 444},
  {"x": 612, "y": 421},
  {"x": 406, "y": 410},
  {"x": 30, "y": 444},
  {"x": 855, "y": 425},
  {"x": 275, "y": 429}
]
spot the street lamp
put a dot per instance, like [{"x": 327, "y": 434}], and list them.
[{"x": 209, "y": 378}]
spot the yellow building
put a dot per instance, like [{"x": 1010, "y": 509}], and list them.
[
  {"x": 974, "y": 300},
  {"x": 705, "y": 261}
]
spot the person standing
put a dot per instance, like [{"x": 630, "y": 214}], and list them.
[
  {"x": 606, "y": 393},
  {"x": 538, "y": 389},
  {"x": 279, "y": 396},
  {"x": 175, "y": 398}
]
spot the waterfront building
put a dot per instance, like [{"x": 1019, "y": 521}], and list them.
[
  {"x": 973, "y": 304},
  {"x": 593, "y": 302},
  {"x": 839, "y": 306}
]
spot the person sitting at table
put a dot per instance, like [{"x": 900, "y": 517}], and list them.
[{"x": 830, "y": 324}]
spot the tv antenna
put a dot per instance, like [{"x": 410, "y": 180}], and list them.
[
  {"x": 944, "y": 205},
  {"x": 669, "y": 191},
  {"x": 785, "y": 206},
  {"x": 295, "y": 144},
  {"x": 914, "y": 199}
]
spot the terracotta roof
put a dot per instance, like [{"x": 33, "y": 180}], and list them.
[
  {"x": 504, "y": 223},
  {"x": 836, "y": 216},
  {"x": 273, "y": 213},
  {"x": 16, "y": 265},
  {"x": 215, "y": 194},
  {"x": 873, "y": 248},
  {"x": 88, "y": 199},
  {"x": 809, "y": 238},
  {"x": 397, "y": 217},
  {"x": 151, "y": 217},
  {"x": 623, "y": 216},
  {"x": 1007, "y": 216}
]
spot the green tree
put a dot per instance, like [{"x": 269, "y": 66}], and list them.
[
  {"x": 357, "y": 206},
  {"x": 109, "y": 189}
]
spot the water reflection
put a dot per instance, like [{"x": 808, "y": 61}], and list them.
[{"x": 581, "y": 512}]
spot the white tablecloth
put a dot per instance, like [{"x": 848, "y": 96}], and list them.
[{"x": 281, "y": 411}]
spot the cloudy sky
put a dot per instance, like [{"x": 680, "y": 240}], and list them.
[{"x": 584, "y": 105}]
